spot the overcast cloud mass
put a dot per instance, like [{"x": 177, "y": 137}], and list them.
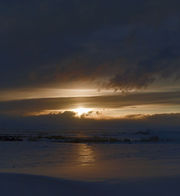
[{"x": 99, "y": 43}]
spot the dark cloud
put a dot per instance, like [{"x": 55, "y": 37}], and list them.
[
  {"x": 67, "y": 121},
  {"x": 28, "y": 106},
  {"x": 109, "y": 44}
]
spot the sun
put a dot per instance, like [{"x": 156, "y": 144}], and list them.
[{"x": 81, "y": 111}]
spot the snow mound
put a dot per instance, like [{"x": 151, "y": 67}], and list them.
[{"x": 31, "y": 185}]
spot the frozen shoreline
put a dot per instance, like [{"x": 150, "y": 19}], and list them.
[
  {"x": 145, "y": 136},
  {"x": 28, "y": 185},
  {"x": 91, "y": 162}
]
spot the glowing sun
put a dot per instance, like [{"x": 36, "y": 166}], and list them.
[{"x": 81, "y": 111}]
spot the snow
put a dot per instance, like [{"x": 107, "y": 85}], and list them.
[{"x": 32, "y": 185}]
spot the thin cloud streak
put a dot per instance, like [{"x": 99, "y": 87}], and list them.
[{"x": 24, "y": 107}]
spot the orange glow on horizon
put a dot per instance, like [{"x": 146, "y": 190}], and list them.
[{"x": 80, "y": 111}]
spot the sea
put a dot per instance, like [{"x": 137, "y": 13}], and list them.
[{"x": 91, "y": 155}]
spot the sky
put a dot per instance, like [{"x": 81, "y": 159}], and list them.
[{"x": 90, "y": 62}]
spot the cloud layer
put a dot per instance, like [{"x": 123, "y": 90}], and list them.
[
  {"x": 106, "y": 44},
  {"x": 29, "y": 106},
  {"x": 67, "y": 120}
]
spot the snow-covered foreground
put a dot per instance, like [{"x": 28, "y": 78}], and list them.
[{"x": 31, "y": 185}]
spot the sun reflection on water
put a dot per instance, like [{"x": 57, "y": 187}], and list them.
[{"x": 86, "y": 155}]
